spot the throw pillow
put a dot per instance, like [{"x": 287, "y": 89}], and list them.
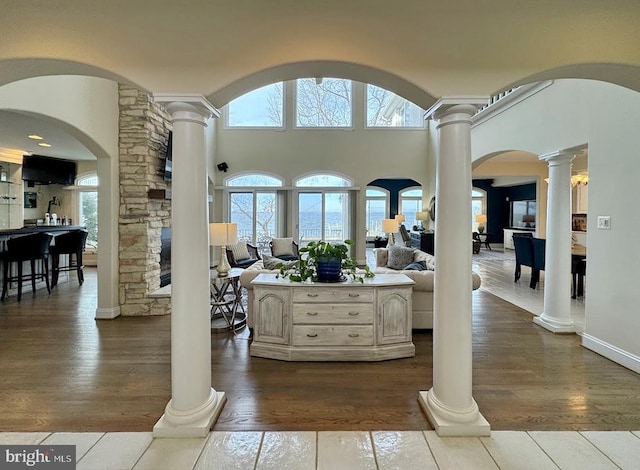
[
  {"x": 271, "y": 262},
  {"x": 282, "y": 246},
  {"x": 399, "y": 256},
  {"x": 240, "y": 251},
  {"x": 416, "y": 266}
]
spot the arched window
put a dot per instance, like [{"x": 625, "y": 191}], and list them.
[
  {"x": 377, "y": 208},
  {"x": 410, "y": 204},
  {"x": 323, "y": 212},
  {"x": 386, "y": 109},
  {"x": 86, "y": 195},
  {"x": 254, "y": 204},
  {"x": 263, "y": 107}
]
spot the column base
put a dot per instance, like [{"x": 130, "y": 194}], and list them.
[
  {"x": 195, "y": 423},
  {"x": 445, "y": 426},
  {"x": 555, "y": 326},
  {"x": 107, "y": 313}
]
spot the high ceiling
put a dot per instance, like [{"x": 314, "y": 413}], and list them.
[{"x": 421, "y": 49}]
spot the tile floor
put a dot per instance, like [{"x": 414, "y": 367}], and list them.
[
  {"x": 363, "y": 449},
  {"x": 349, "y": 450}
]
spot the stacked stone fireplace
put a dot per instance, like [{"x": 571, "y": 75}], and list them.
[{"x": 144, "y": 217}]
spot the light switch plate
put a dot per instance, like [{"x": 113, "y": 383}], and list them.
[{"x": 604, "y": 222}]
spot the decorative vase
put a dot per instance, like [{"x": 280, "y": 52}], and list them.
[{"x": 329, "y": 269}]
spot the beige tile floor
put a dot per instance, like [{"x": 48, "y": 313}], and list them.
[
  {"x": 349, "y": 450},
  {"x": 354, "y": 450}
]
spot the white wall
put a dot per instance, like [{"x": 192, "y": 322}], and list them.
[{"x": 604, "y": 116}]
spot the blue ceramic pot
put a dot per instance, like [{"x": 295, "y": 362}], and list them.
[{"x": 329, "y": 269}]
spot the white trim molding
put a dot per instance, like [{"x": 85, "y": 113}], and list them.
[
  {"x": 107, "y": 313},
  {"x": 617, "y": 355}
]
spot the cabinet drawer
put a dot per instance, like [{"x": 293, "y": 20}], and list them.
[
  {"x": 339, "y": 295},
  {"x": 327, "y": 313},
  {"x": 327, "y": 335}
]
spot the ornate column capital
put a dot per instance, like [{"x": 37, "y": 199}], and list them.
[
  {"x": 450, "y": 105},
  {"x": 186, "y": 107},
  {"x": 557, "y": 158}
]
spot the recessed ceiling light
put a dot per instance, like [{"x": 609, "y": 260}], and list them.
[
  {"x": 44, "y": 144},
  {"x": 35, "y": 137}
]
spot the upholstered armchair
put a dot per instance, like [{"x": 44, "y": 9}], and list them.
[{"x": 242, "y": 255}]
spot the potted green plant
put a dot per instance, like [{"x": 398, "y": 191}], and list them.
[{"x": 321, "y": 261}]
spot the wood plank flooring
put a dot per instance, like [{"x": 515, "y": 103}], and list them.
[{"x": 61, "y": 370}]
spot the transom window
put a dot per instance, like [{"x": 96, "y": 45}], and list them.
[
  {"x": 254, "y": 180},
  {"x": 263, "y": 107},
  {"x": 323, "y": 102},
  {"x": 323, "y": 180},
  {"x": 386, "y": 109}
]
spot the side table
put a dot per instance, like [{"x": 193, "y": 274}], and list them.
[{"x": 227, "y": 311}]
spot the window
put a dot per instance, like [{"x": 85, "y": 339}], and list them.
[
  {"x": 87, "y": 203},
  {"x": 410, "y": 204},
  {"x": 377, "y": 201},
  {"x": 478, "y": 205},
  {"x": 255, "y": 210},
  {"x": 324, "y": 102},
  {"x": 323, "y": 213},
  {"x": 386, "y": 109},
  {"x": 258, "y": 108}
]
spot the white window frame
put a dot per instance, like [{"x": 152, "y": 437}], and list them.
[
  {"x": 366, "y": 112},
  {"x": 295, "y": 108},
  {"x": 226, "y": 112},
  {"x": 418, "y": 199},
  {"x": 386, "y": 197}
]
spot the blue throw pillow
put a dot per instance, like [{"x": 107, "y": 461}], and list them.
[{"x": 416, "y": 266}]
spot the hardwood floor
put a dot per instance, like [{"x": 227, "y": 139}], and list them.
[{"x": 61, "y": 370}]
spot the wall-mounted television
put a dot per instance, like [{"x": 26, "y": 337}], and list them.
[
  {"x": 168, "y": 162},
  {"x": 48, "y": 170}
]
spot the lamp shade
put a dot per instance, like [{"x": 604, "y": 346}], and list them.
[
  {"x": 400, "y": 218},
  {"x": 422, "y": 215},
  {"x": 389, "y": 225},
  {"x": 223, "y": 234},
  {"x": 481, "y": 218}
]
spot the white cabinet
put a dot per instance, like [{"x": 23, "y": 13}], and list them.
[
  {"x": 508, "y": 237},
  {"x": 348, "y": 321},
  {"x": 582, "y": 200}
]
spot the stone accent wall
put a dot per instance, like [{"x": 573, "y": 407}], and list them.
[{"x": 144, "y": 131}]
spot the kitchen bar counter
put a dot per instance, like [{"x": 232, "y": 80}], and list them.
[{"x": 39, "y": 228}]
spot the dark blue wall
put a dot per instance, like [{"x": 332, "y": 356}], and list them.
[
  {"x": 394, "y": 186},
  {"x": 499, "y": 204}
]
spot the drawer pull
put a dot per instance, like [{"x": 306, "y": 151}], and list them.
[
  {"x": 353, "y": 335},
  {"x": 312, "y": 313},
  {"x": 354, "y": 295},
  {"x": 312, "y": 335},
  {"x": 312, "y": 295},
  {"x": 353, "y": 314}
]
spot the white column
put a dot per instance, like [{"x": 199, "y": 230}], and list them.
[
  {"x": 556, "y": 315},
  {"x": 449, "y": 405},
  {"x": 194, "y": 404}
]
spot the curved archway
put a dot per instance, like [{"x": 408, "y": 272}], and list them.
[
  {"x": 624, "y": 75},
  {"x": 324, "y": 68}
]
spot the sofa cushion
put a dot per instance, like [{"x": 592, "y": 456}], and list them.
[
  {"x": 240, "y": 251},
  {"x": 399, "y": 256},
  {"x": 282, "y": 247}
]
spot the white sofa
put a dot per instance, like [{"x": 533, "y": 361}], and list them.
[{"x": 422, "y": 289}]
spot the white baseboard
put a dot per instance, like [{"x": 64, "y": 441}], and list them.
[
  {"x": 107, "y": 313},
  {"x": 630, "y": 361}
]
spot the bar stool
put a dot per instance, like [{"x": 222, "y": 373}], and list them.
[
  {"x": 26, "y": 248},
  {"x": 70, "y": 243}
]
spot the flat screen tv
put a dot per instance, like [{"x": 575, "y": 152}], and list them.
[
  {"x": 48, "y": 170},
  {"x": 168, "y": 162}
]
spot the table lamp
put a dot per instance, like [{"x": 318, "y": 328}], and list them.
[
  {"x": 400, "y": 218},
  {"x": 390, "y": 226},
  {"x": 222, "y": 235},
  {"x": 421, "y": 216},
  {"x": 481, "y": 219}
]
